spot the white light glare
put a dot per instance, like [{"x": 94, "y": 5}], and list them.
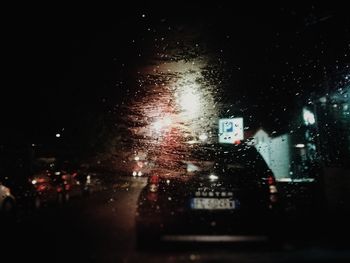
[
  {"x": 161, "y": 124},
  {"x": 167, "y": 121},
  {"x": 158, "y": 125},
  {"x": 273, "y": 189},
  {"x": 203, "y": 137},
  {"x": 213, "y": 177},
  {"x": 190, "y": 102},
  {"x": 58, "y": 135},
  {"x": 300, "y": 145}
]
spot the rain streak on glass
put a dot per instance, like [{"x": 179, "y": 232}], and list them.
[{"x": 175, "y": 111}]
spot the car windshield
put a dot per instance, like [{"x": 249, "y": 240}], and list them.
[{"x": 204, "y": 131}]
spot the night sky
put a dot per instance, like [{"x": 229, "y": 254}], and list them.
[{"x": 72, "y": 68}]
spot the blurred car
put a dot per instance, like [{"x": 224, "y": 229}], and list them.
[
  {"x": 140, "y": 167},
  {"x": 7, "y": 200},
  {"x": 49, "y": 188},
  {"x": 78, "y": 180},
  {"x": 90, "y": 182},
  {"x": 63, "y": 183},
  {"x": 72, "y": 185},
  {"x": 225, "y": 194}
]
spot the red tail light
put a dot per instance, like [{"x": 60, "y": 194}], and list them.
[
  {"x": 153, "y": 183},
  {"x": 271, "y": 181},
  {"x": 154, "y": 179}
]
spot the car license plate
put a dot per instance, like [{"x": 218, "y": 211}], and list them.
[{"x": 212, "y": 203}]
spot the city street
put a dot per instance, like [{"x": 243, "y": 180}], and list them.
[
  {"x": 100, "y": 228},
  {"x": 200, "y": 132}
]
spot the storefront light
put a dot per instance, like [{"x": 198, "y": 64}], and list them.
[{"x": 309, "y": 117}]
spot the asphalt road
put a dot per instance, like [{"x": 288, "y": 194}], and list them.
[{"x": 100, "y": 228}]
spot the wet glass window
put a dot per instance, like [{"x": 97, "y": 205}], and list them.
[{"x": 176, "y": 132}]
